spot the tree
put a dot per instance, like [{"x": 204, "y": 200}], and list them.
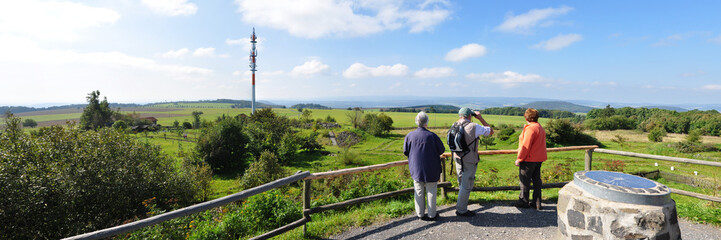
[
  {"x": 97, "y": 114},
  {"x": 120, "y": 124},
  {"x": 487, "y": 141},
  {"x": 377, "y": 124},
  {"x": 657, "y": 134},
  {"x": 306, "y": 116},
  {"x": 355, "y": 117},
  {"x": 187, "y": 125},
  {"x": 224, "y": 145},
  {"x": 196, "y": 118},
  {"x": 694, "y": 136},
  {"x": 176, "y": 124},
  {"x": 30, "y": 123}
]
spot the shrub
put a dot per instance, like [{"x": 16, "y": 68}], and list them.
[
  {"x": 562, "y": 131},
  {"x": 377, "y": 124},
  {"x": 120, "y": 124},
  {"x": 224, "y": 145},
  {"x": 694, "y": 136},
  {"x": 329, "y": 119},
  {"x": 347, "y": 157},
  {"x": 264, "y": 170},
  {"x": 487, "y": 141},
  {"x": 506, "y": 133},
  {"x": 63, "y": 181},
  {"x": 657, "y": 134},
  {"x": 29, "y": 122},
  {"x": 610, "y": 123},
  {"x": 187, "y": 125},
  {"x": 615, "y": 165}
]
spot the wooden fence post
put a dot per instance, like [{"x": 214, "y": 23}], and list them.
[
  {"x": 306, "y": 203},
  {"x": 443, "y": 177},
  {"x": 589, "y": 159}
]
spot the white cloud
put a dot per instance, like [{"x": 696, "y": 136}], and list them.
[
  {"x": 437, "y": 72},
  {"x": 339, "y": 18},
  {"x": 19, "y": 50},
  {"x": 694, "y": 74},
  {"x": 175, "y": 53},
  {"x": 467, "y": 51},
  {"x": 358, "y": 70},
  {"x": 714, "y": 87},
  {"x": 245, "y": 42},
  {"x": 506, "y": 79},
  {"x": 208, "y": 52},
  {"x": 309, "y": 68},
  {"x": 171, "y": 7},
  {"x": 51, "y": 20},
  {"x": 558, "y": 42},
  {"x": 523, "y": 23}
]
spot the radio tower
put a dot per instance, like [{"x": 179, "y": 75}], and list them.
[{"x": 253, "y": 54}]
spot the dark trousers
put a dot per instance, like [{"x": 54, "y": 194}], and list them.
[{"x": 527, "y": 172}]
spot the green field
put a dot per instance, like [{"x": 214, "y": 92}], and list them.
[{"x": 495, "y": 170}]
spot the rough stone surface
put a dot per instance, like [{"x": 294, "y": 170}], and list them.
[
  {"x": 561, "y": 227},
  {"x": 581, "y": 237},
  {"x": 586, "y": 214},
  {"x": 595, "y": 224},
  {"x": 576, "y": 219}
]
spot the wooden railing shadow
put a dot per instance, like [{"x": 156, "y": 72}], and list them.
[{"x": 307, "y": 177}]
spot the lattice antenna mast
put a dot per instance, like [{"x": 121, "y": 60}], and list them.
[{"x": 253, "y": 54}]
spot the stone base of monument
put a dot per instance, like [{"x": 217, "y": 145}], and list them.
[{"x": 600, "y": 205}]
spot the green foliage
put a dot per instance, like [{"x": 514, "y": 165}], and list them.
[
  {"x": 187, "y": 125},
  {"x": 176, "y": 124},
  {"x": 657, "y": 134},
  {"x": 264, "y": 170},
  {"x": 562, "y": 131},
  {"x": 29, "y": 122},
  {"x": 611, "y": 123},
  {"x": 329, "y": 119},
  {"x": 693, "y": 147},
  {"x": 506, "y": 133},
  {"x": 97, "y": 114},
  {"x": 355, "y": 117},
  {"x": 302, "y": 106},
  {"x": 120, "y": 124},
  {"x": 487, "y": 141},
  {"x": 614, "y": 165},
  {"x": 65, "y": 181},
  {"x": 348, "y": 157},
  {"x": 620, "y": 140},
  {"x": 306, "y": 116},
  {"x": 224, "y": 145},
  {"x": 694, "y": 136},
  {"x": 558, "y": 173},
  {"x": 196, "y": 118},
  {"x": 519, "y": 111},
  {"x": 377, "y": 124}
]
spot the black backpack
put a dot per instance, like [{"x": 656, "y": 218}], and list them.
[{"x": 456, "y": 138}]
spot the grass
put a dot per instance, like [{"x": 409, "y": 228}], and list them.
[{"x": 495, "y": 170}]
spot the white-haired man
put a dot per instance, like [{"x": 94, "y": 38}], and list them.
[{"x": 424, "y": 149}]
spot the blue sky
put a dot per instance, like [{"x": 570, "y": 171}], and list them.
[{"x": 662, "y": 52}]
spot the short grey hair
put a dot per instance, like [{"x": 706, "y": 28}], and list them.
[{"x": 422, "y": 119}]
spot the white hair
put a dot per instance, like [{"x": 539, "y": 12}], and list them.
[{"x": 422, "y": 119}]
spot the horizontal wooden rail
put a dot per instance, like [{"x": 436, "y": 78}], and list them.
[
  {"x": 696, "y": 195},
  {"x": 109, "y": 232},
  {"x": 336, "y": 173},
  {"x": 364, "y": 199},
  {"x": 515, "y": 151},
  {"x": 282, "y": 229},
  {"x": 511, "y": 188},
  {"x": 657, "y": 157}
]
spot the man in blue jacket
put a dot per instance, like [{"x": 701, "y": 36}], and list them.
[{"x": 424, "y": 149}]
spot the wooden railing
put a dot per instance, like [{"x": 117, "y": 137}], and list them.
[{"x": 307, "y": 177}]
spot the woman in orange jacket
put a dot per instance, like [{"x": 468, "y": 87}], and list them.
[{"x": 531, "y": 154}]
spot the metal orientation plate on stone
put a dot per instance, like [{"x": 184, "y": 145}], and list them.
[{"x": 621, "y": 187}]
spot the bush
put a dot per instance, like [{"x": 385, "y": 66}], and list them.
[
  {"x": 224, "y": 145},
  {"x": 694, "y": 136},
  {"x": 377, "y": 124},
  {"x": 506, "y": 133},
  {"x": 347, "y": 157},
  {"x": 262, "y": 171},
  {"x": 120, "y": 124},
  {"x": 610, "y": 123},
  {"x": 61, "y": 182},
  {"x": 329, "y": 119},
  {"x": 187, "y": 125},
  {"x": 30, "y": 123},
  {"x": 657, "y": 134},
  {"x": 562, "y": 131}
]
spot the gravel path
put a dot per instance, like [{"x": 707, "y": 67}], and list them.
[{"x": 495, "y": 220}]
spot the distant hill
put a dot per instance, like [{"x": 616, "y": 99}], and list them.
[
  {"x": 427, "y": 108},
  {"x": 558, "y": 105},
  {"x": 236, "y": 104},
  {"x": 309, "y": 106},
  {"x": 21, "y": 109},
  {"x": 672, "y": 108}
]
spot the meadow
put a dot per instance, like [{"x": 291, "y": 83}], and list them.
[{"x": 493, "y": 170}]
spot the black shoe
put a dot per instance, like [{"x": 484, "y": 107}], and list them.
[
  {"x": 424, "y": 218},
  {"x": 521, "y": 204},
  {"x": 466, "y": 214}
]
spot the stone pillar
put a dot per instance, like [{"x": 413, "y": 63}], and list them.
[{"x": 586, "y": 214}]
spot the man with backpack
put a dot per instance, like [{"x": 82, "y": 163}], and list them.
[{"x": 463, "y": 142}]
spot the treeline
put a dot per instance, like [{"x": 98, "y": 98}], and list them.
[
  {"x": 309, "y": 106},
  {"x": 519, "y": 111},
  {"x": 427, "y": 108},
  {"x": 609, "y": 118}
]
